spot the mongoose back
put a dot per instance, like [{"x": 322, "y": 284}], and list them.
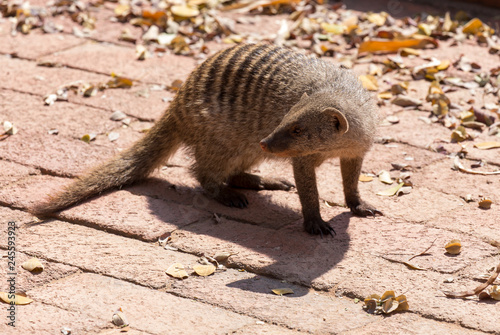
[{"x": 243, "y": 105}]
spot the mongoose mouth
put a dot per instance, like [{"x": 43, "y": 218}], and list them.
[{"x": 284, "y": 153}]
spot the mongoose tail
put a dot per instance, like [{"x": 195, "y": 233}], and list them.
[{"x": 130, "y": 166}]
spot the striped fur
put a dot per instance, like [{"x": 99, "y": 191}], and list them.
[{"x": 231, "y": 102}]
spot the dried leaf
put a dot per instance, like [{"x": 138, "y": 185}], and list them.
[
  {"x": 387, "y": 295},
  {"x": 33, "y": 265},
  {"x": 118, "y": 116},
  {"x": 395, "y": 45},
  {"x": 459, "y": 134},
  {"x": 177, "y": 270},
  {"x": 204, "y": 270},
  {"x": 119, "y": 319},
  {"x": 15, "y": 299},
  {"x": 485, "y": 203},
  {"x": 119, "y": 82},
  {"x": 9, "y": 128},
  {"x": 369, "y": 82},
  {"x": 184, "y": 11},
  {"x": 223, "y": 256},
  {"x": 113, "y": 136},
  {"x": 403, "y": 303},
  {"x": 406, "y": 101},
  {"x": 385, "y": 177},
  {"x": 453, "y": 247},
  {"x": 282, "y": 291},
  {"x": 487, "y": 145},
  {"x": 364, "y": 178},
  {"x": 389, "y": 306},
  {"x": 457, "y": 165},
  {"x": 87, "y": 138},
  {"x": 391, "y": 191}
]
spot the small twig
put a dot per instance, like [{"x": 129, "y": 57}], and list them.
[
  {"x": 411, "y": 266},
  {"x": 423, "y": 252},
  {"x": 477, "y": 290}
]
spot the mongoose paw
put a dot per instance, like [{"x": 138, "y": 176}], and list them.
[
  {"x": 364, "y": 209},
  {"x": 232, "y": 198},
  {"x": 319, "y": 227}
]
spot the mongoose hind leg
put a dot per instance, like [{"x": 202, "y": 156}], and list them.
[
  {"x": 255, "y": 182},
  {"x": 305, "y": 179},
  {"x": 351, "y": 168}
]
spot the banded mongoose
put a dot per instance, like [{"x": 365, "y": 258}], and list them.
[{"x": 243, "y": 105}]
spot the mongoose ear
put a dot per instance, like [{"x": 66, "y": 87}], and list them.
[
  {"x": 338, "y": 118},
  {"x": 304, "y": 96}
]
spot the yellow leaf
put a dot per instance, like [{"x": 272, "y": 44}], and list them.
[
  {"x": 385, "y": 95},
  {"x": 473, "y": 26},
  {"x": 364, "y": 178},
  {"x": 387, "y": 295},
  {"x": 282, "y": 291},
  {"x": 391, "y": 191},
  {"x": 204, "y": 270},
  {"x": 487, "y": 145},
  {"x": 337, "y": 29},
  {"x": 395, "y": 45},
  {"x": 377, "y": 18},
  {"x": 369, "y": 82},
  {"x": 385, "y": 177},
  {"x": 177, "y": 270},
  {"x": 453, "y": 247},
  {"x": 184, "y": 11},
  {"x": 485, "y": 203},
  {"x": 403, "y": 303},
  {"x": 15, "y": 298}
]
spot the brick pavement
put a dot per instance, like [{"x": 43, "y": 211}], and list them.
[{"x": 102, "y": 254}]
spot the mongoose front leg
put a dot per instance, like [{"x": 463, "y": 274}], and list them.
[
  {"x": 255, "y": 182},
  {"x": 305, "y": 181},
  {"x": 351, "y": 168}
]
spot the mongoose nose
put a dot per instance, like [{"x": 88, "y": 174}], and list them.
[{"x": 263, "y": 145}]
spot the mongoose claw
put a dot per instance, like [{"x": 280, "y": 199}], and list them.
[
  {"x": 319, "y": 227},
  {"x": 232, "y": 198},
  {"x": 364, "y": 210}
]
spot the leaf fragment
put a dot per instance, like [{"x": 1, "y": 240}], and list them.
[
  {"x": 369, "y": 82},
  {"x": 365, "y": 178},
  {"x": 485, "y": 203},
  {"x": 9, "y": 128},
  {"x": 15, "y": 299},
  {"x": 204, "y": 270},
  {"x": 454, "y": 247},
  {"x": 282, "y": 291},
  {"x": 391, "y": 191},
  {"x": 33, "y": 265},
  {"x": 487, "y": 145},
  {"x": 385, "y": 177},
  {"x": 177, "y": 270},
  {"x": 119, "y": 319},
  {"x": 395, "y": 45},
  {"x": 458, "y": 166}
]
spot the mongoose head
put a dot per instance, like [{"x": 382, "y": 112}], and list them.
[{"x": 313, "y": 125}]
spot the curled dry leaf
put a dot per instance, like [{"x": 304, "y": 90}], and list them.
[
  {"x": 459, "y": 134},
  {"x": 9, "y": 128},
  {"x": 87, "y": 138},
  {"x": 204, "y": 270},
  {"x": 223, "y": 256},
  {"x": 485, "y": 203},
  {"x": 386, "y": 304},
  {"x": 406, "y": 101},
  {"x": 385, "y": 177},
  {"x": 33, "y": 265},
  {"x": 457, "y": 165},
  {"x": 454, "y": 247},
  {"x": 119, "y": 319},
  {"x": 391, "y": 191},
  {"x": 282, "y": 291},
  {"x": 119, "y": 82},
  {"x": 478, "y": 289},
  {"x": 15, "y": 299},
  {"x": 118, "y": 116},
  {"x": 113, "y": 136},
  {"x": 177, "y": 270}
]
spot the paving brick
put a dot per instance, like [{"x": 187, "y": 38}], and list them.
[
  {"x": 105, "y": 58},
  {"x": 53, "y": 154},
  {"x": 409, "y": 323},
  {"x": 11, "y": 215},
  {"x": 101, "y": 252},
  {"x": 11, "y": 172},
  {"x": 441, "y": 177},
  {"x": 36, "y": 44},
  {"x": 69, "y": 119},
  {"x": 166, "y": 313},
  {"x": 248, "y": 294},
  {"x": 44, "y": 319},
  {"x": 142, "y": 100},
  {"x": 26, "y": 280}
]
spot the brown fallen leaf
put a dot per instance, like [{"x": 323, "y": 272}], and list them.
[
  {"x": 395, "y": 45},
  {"x": 477, "y": 290},
  {"x": 204, "y": 270},
  {"x": 485, "y": 203},
  {"x": 457, "y": 165}
]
